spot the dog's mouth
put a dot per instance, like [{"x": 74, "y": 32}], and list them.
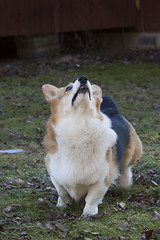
[{"x": 83, "y": 89}]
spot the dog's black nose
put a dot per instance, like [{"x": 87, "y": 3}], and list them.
[{"x": 83, "y": 79}]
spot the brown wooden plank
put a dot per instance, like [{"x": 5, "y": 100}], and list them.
[
  {"x": 101, "y": 14},
  {"x": 80, "y": 16},
  {"x": 23, "y": 17},
  {"x": 46, "y": 12},
  {"x": 97, "y": 14},
  {"x": 3, "y": 24},
  {"x": 64, "y": 16},
  {"x": 12, "y": 17},
  {"x": 55, "y": 15},
  {"x": 113, "y": 14},
  {"x": 150, "y": 20},
  {"x": 35, "y": 19},
  {"x": 131, "y": 13}
]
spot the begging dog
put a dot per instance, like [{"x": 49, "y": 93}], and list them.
[{"x": 89, "y": 144}]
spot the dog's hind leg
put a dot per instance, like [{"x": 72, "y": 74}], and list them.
[
  {"x": 126, "y": 172},
  {"x": 133, "y": 153},
  {"x": 126, "y": 178}
]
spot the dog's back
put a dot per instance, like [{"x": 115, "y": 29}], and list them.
[{"x": 119, "y": 125}]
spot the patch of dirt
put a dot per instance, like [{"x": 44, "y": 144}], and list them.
[{"x": 26, "y": 69}]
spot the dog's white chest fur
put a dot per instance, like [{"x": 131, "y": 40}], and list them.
[{"x": 81, "y": 156}]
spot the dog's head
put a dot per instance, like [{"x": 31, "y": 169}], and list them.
[{"x": 79, "y": 96}]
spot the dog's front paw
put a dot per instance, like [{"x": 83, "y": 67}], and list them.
[
  {"x": 61, "y": 203},
  {"x": 90, "y": 210}
]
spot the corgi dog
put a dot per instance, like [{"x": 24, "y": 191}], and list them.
[{"x": 89, "y": 144}]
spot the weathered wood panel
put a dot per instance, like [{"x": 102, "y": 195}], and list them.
[
  {"x": 8, "y": 17},
  {"x": 150, "y": 16},
  {"x": 23, "y": 17},
  {"x": 96, "y": 14}
]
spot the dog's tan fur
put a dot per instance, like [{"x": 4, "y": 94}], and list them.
[{"x": 58, "y": 99}]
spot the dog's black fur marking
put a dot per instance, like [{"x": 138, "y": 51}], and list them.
[{"x": 119, "y": 125}]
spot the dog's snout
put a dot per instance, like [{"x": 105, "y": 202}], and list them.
[{"x": 83, "y": 79}]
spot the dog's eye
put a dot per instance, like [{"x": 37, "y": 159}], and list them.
[{"x": 68, "y": 88}]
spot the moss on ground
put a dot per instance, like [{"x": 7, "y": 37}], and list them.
[{"x": 28, "y": 199}]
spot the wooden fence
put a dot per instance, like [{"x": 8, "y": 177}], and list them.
[{"x": 23, "y": 17}]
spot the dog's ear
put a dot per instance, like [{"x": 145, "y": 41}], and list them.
[
  {"x": 50, "y": 92},
  {"x": 97, "y": 92}
]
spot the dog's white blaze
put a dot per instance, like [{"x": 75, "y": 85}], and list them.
[
  {"x": 82, "y": 96},
  {"x": 77, "y": 84}
]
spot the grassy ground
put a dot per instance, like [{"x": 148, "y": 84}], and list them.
[{"x": 27, "y": 197}]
